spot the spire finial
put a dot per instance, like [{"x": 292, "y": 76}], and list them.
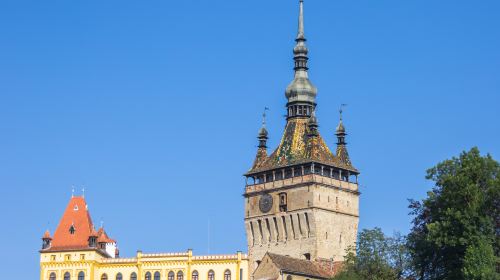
[
  {"x": 72, "y": 191},
  {"x": 263, "y": 131},
  {"x": 83, "y": 191},
  {"x": 300, "y": 33},
  {"x": 340, "y": 128}
]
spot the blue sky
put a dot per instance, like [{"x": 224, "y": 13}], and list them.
[{"x": 154, "y": 106}]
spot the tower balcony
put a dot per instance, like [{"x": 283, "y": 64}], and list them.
[{"x": 302, "y": 174}]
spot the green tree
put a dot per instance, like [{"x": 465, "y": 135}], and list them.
[
  {"x": 455, "y": 233},
  {"x": 376, "y": 257}
]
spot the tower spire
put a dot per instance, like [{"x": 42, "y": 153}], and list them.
[{"x": 301, "y": 93}]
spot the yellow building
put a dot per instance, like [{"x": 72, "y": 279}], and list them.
[{"x": 77, "y": 251}]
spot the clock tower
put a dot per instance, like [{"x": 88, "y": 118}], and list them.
[{"x": 302, "y": 200}]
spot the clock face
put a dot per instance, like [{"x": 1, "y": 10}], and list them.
[{"x": 265, "y": 203}]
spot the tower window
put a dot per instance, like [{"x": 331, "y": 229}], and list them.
[
  {"x": 119, "y": 276},
  {"x": 52, "y": 276},
  {"x": 105, "y": 277},
  {"x": 180, "y": 275},
  {"x": 171, "y": 275},
  {"x": 72, "y": 229},
  {"x": 81, "y": 275},
  {"x": 227, "y": 274},
  {"x": 283, "y": 202},
  {"x": 67, "y": 276},
  {"x": 195, "y": 275},
  {"x": 211, "y": 275},
  {"x": 133, "y": 276},
  {"x": 148, "y": 276},
  {"x": 157, "y": 276}
]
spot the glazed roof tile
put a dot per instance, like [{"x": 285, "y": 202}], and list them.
[{"x": 297, "y": 147}]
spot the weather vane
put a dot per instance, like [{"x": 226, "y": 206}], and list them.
[
  {"x": 264, "y": 116},
  {"x": 341, "y": 110}
]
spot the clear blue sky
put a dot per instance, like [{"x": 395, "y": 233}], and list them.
[{"x": 154, "y": 106}]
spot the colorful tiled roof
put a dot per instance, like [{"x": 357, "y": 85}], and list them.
[{"x": 297, "y": 147}]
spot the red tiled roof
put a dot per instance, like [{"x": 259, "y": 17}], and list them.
[
  {"x": 93, "y": 232},
  {"x": 75, "y": 228},
  {"x": 103, "y": 237},
  {"x": 46, "y": 235},
  {"x": 299, "y": 266},
  {"x": 77, "y": 216}
]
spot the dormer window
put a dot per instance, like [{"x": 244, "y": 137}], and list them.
[{"x": 72, "y": 229}]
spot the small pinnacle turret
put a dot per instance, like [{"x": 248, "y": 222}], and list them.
[
  {"x": 46, "y": 240},
  {"x": 263, "y": 132},
  {"x": 262, "y": 137},
  {"x": 340, "y": 132}
]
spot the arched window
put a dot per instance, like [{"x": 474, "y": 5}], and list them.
[
  {"x": 81, "y": 275},
  {"x": 148, "y": 275},
  {"x": 171, "y": 275},
  {"x": 53, "y": 276},
  {"x": 180, "y": 275},
  {"x": 104, "y": 277},
  {"x": 67, "y": 276},
  {"x": 157, "y": 275},
  {"x": 195, "y": 275},
  {"x": 211, "y": 275},
  {"x": 133, "y": 276},
  {"x": 119, "y": 276},
  {"x": 227, "y": 274}
]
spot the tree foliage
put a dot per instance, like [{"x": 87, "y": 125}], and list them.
[
  {"x": 455, "y": 233},
  {"x": 376, "y": 257}
]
